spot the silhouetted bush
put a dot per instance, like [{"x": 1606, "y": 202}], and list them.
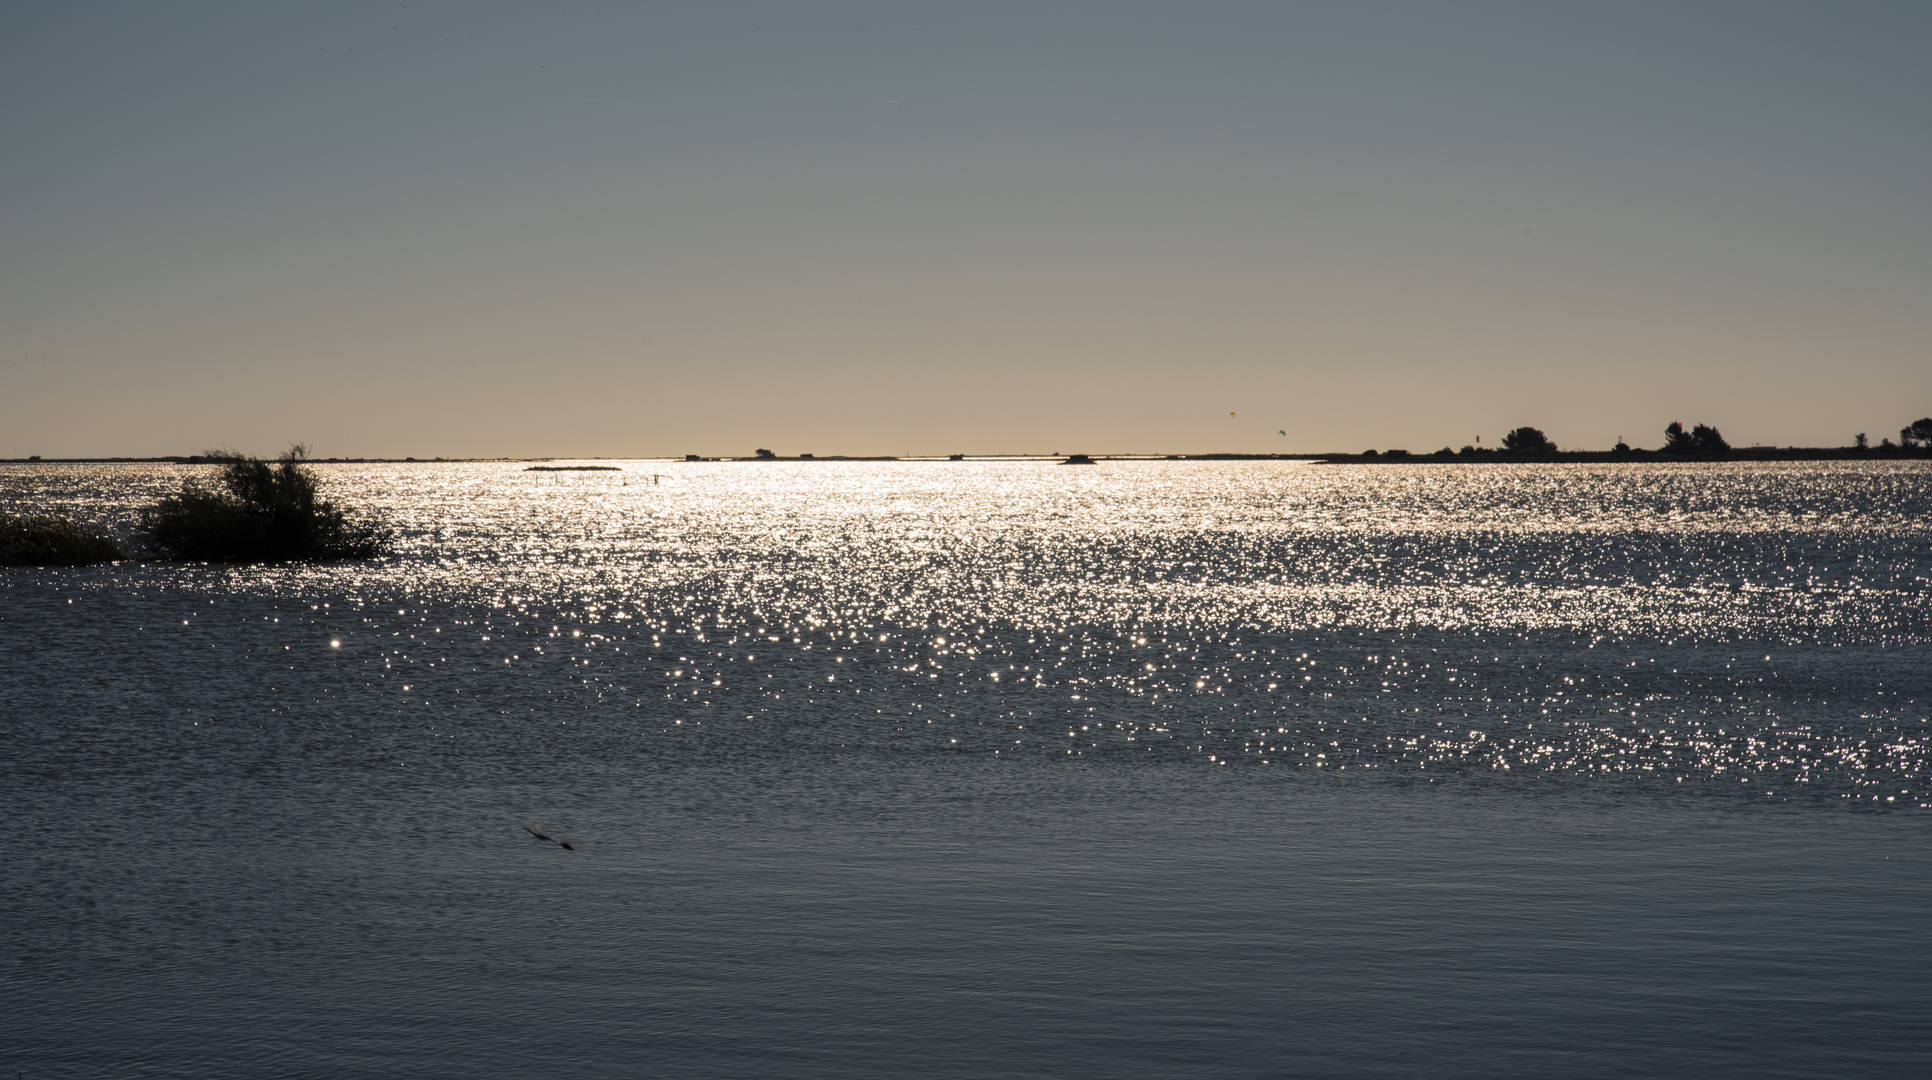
[
  {"x": 46, "y": 540},
  {"x": 1702, "y": 439},
  {"x": 1708, "y": 441},
  {"x": 1528, "y": 440},
  {"x": 261, "y": 513}
]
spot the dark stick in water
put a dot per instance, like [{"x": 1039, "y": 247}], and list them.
[{"x": 537, "y": 831}]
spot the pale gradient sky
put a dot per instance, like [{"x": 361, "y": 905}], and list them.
[{"x": 560, "y": 229}]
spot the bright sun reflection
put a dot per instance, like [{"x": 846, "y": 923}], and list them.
[{"x": 1606, "y": 623}]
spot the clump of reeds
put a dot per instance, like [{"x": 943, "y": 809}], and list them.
[
  {"x": 262, "y": 512},
  {"x": 50, "y": 540}
]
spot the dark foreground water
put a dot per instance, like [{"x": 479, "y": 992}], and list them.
[{"x": 1143, "y": 770}]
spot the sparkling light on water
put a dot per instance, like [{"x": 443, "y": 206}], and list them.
[
  {"x": 1146, "y": 766},
  {"x": 1665, "y": 624}
]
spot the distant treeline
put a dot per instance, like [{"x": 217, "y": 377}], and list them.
[{"x": 1701, "y": 442}]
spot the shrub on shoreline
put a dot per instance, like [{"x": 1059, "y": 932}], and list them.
[
  {"x": 1528, "y": 440},
  {"x": 50, "y": 540},
  {"x": 261, "y": 513},
  {"x": 1702, "y": 439}
]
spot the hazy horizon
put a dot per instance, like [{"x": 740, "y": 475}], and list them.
[
  {"x": 835, "y": 455},
  {"x": 904, "y": 229}
]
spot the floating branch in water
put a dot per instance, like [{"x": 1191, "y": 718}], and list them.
[{"x": 537, "y": 831}]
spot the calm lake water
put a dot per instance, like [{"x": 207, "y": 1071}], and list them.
[{"x": 970, "y": 769}]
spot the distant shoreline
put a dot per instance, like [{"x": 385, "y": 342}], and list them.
[
  {"x": 1746, "y": 453},
  {"x": 1371, "y": 457}
]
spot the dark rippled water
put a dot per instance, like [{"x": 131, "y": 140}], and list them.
[{"x": 969, "y": 769}]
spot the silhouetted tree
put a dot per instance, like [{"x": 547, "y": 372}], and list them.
[
  {"x": 763, "y": 453},
  {"x": 1528, "y": 440},
  {"x": 1916, "y": 433},
  {"x": 1707, "y": 441},
  {"x": 267, "y": 513},
  {"x": 1702, "y": 439},
  {"x": 1861, "y": 444}
]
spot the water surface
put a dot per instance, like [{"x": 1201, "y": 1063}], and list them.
[{"x": 984, "y": 769}]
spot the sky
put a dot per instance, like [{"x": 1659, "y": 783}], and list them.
[{"x": 557, "y": 229}]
